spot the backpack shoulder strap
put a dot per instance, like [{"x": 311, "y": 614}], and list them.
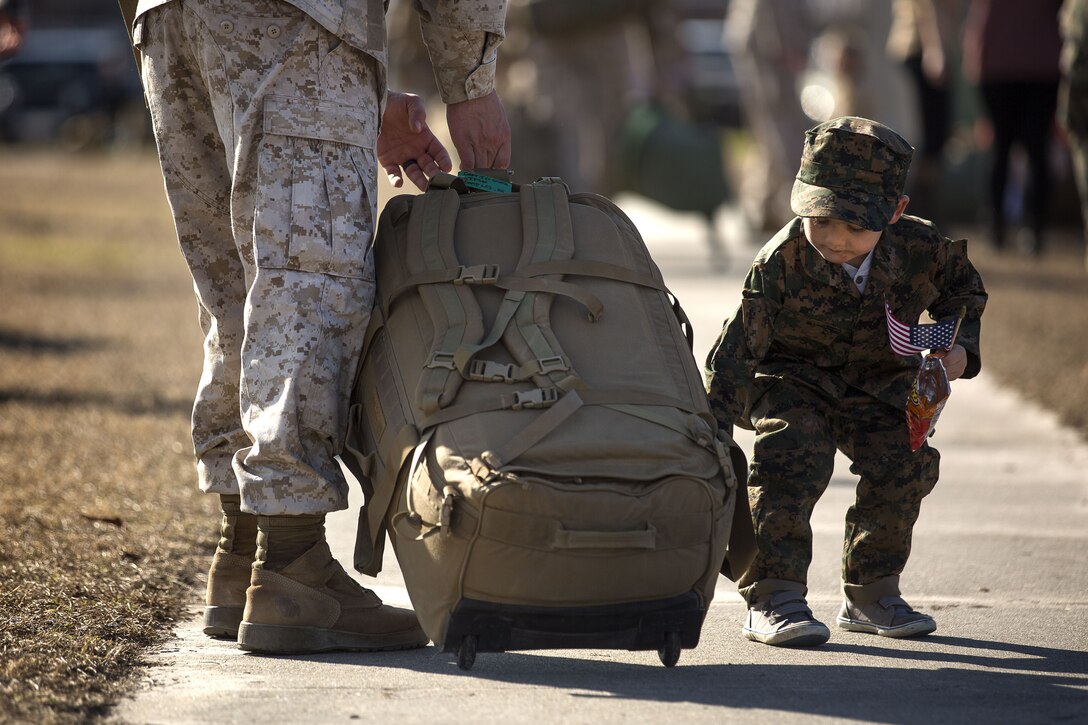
[
  {"x": 548, "y": 236},
  {"x": 453, "y": 309}
]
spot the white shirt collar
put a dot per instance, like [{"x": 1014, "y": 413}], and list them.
[{"x": 860, "y": 274}]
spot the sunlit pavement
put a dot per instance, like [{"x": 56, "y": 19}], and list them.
[{"x": 999, "y": 560}]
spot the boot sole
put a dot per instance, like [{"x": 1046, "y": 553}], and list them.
[
  {"x": 911, "y": 629},
  {"x": 808, "y": 636},
  {"x": 281, "y": 639},
  {"x": 222, "y": 622}
]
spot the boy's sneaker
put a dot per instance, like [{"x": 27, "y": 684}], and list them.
[
  {"x": 312, "y": 605},
  {"x": 226, "y": 596},
  {"x": 783, "y": 619},
  {"x": 888, "y": 617}
]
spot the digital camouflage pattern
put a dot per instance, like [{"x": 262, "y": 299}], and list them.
[
  {"x": 261, "y": 147},
  {"x": 852, "y": 169},
  {"x": 266, "y": 124},
  {"x": 805, "y": 362},
  {"x": 801, "y": 318},
  {"x": 462, "y": 36},
  {"x": 797, "y": 433}
]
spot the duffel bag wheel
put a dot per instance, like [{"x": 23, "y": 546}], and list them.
[
  {"x": 466, "y": 654},
  {"x": 670, "y": 651}
]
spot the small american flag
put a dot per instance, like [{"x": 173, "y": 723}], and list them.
[{"x": 911, "y": 339}]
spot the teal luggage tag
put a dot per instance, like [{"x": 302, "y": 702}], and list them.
[{"x": 480, "y": 182}]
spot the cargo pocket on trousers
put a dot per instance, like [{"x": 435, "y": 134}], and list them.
[
  {"x": 316, "y": 200},
  {"x": 325, "y": 380},
  {"x": 760, "y": 387}
]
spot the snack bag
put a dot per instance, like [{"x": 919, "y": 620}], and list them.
[
  {"x": 931, "y": 389},
  {"x": 927, "y": 398}
]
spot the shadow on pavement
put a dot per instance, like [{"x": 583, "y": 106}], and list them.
[
  {"x": 1006, "y": 655},
  {"x": 138, "y": 404},
  {"x": 34, "y": 343},
  {"x": 873, "y": 693}
]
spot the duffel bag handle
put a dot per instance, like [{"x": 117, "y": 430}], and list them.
[
  {"x": 576, "y": 539},
  {"x": 475, "y": 180}
]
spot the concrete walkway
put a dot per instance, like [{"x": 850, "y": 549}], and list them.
[{"x": 1000, "y": 559}]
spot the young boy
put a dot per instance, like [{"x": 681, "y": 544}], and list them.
[{"x": 805, "y": 362}]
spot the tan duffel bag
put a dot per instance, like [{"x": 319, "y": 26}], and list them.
[{"x": 531, "y": 427}]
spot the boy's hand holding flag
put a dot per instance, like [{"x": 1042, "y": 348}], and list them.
[{"x": 931, "y": 388}]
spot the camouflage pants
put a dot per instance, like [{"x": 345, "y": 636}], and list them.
[
  {"x": 797, "y": 433},
  {"x": 266, "y": 125}
]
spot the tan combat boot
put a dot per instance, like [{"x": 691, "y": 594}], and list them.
[
  {"x": 226, "y": 597},
  {"x": 230, "y": 572},
  {"x": 313, "y": 605}
]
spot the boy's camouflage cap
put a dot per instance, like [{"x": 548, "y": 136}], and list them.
[{"x": 852, "y": 169}]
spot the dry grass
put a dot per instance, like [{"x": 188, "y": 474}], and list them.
[
  {"x": 103, "y": 535},
  {"x": 1035, "y": 328},
  {"x": 102, "y": 530}
]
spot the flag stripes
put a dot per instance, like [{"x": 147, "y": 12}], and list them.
[{"x": 907, "y": 339}]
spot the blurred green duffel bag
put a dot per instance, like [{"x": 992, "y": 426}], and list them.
[{"x": 672, "y": 161}]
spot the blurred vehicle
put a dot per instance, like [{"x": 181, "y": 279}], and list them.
[{"x": 78, "y": 86}]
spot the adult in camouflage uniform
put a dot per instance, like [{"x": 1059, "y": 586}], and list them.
[
  {"x": 266, "y": 116},
  {"x": 805, "y": 362},
  {"x": 1073, "y": 95},
  {"x": 769, "y": 42}
]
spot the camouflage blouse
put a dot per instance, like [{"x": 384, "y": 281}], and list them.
[{"x": 802, "y": 319}]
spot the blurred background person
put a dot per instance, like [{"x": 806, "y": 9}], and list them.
[
  {"x": 616, "y": 102},
  {"x": 769, "y": 41},
  {"x": 1073, "y": 96},
  {"x": 612, "y": 96},
  {"x": 14, "y": 21},
  {"x": 593, "y": 62},
  {"x": 840, "y": 64},
  {"x": 850, "y": 72},
  {"x": 1011, "y": 50},
  {"x": 584, "y": 53},
  {"x": 923, "y": 40},
  {"x": 411, "y": 68}
]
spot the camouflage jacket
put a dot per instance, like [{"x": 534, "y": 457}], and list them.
[
  {"x": 802, "y": 319},
  {"x": 462, "y": 36}
]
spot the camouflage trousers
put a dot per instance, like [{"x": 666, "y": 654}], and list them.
[
  {"x": 797, "y": 433},
  {"x": 266, "y": 125}
]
